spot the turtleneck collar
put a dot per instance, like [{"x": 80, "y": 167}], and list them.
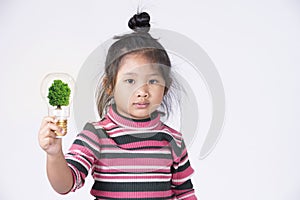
[{"x": 149, "y": 123}]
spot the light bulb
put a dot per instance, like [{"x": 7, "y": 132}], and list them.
[{"x": 57, "y": 90}]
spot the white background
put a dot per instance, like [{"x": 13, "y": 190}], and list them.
[{"x": 255, "y": 46}]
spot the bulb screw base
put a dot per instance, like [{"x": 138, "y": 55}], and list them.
[{"x": 63, "y": 123}]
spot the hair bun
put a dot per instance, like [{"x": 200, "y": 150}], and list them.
[{"x": 140, "y": 22}]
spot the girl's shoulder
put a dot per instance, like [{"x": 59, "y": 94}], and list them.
[
  {"x": 92, "y": 129},
  {"x": 174, "y": 133},
  {"x": 170, "y": 129},
  {"x": 105, "y": 124}
]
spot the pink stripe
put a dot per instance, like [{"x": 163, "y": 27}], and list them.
[
  {"x": 188, "y": 195},
  {"x": 107, "y": 141},
  {"x": 91, "y": 135},
  {"x": 187, "y": 172},
  {"x": 136, "y": 161},
  {"x": 133, "y": 170},
  {"x": 75, "y": 147},
  {"x": 118, "y": 150},
  {"x": 146, "y": 143},
  {"x": 106, "y": 176},
  {"x": 106, "y": 124},
  {"x": 122, "y": 130},
  {"x": 115, "y": 131},
  {"x": 80, "y": 160},
  {"x": 150, "y": 194},
  {"x": 175, "y": 133}
]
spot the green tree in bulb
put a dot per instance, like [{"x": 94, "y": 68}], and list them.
[{"x": 59, "y": 94}]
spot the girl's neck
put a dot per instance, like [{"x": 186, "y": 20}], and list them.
[{"x": 147, "y": 123}]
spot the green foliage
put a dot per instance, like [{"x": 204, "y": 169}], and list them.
[{"x": 59, "y": 94}]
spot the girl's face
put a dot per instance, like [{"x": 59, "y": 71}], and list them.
[{"x": 139, "y": 87}]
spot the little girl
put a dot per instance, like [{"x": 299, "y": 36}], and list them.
[{"x": 130, "y": 152}]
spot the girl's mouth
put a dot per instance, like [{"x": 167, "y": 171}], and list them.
[{"x": 141, "y": 105}]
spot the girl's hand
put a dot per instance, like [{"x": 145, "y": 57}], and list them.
[{"x": 47, "y": 137}]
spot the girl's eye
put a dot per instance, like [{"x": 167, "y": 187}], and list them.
[
  {"x": 130, "y": 81},
  {"x": 153, "y": 81}
]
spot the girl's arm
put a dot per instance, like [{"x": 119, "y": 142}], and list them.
[
  {"x": 181, "y": 173},
  {"x": 59, "y": 174}
]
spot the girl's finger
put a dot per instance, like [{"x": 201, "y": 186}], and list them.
[
  {"x": 48, "y": 119},
  {"x": 54, "y": 127},
  {"x": 47, "y": 132}
]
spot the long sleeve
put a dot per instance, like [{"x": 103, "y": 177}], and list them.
[
  {"x": 82, "y": 154},
  {"x": 181, "y": 173}
]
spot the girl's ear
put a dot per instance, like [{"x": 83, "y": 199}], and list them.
[
  {"x": 109, "y": 91},
  {"x": 107, "y": 87}
]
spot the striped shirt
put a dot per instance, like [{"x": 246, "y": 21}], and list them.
[{"x": 131, "y": 159}]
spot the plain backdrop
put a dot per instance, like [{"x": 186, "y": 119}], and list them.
[{"x": 254, "y": 45}]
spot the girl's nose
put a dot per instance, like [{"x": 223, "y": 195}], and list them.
[
  {"x": 143, "y": 91},
  {"x": 144, "y": 95}
]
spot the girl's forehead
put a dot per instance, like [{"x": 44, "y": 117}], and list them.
[{"x": 135, "y": 63}]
